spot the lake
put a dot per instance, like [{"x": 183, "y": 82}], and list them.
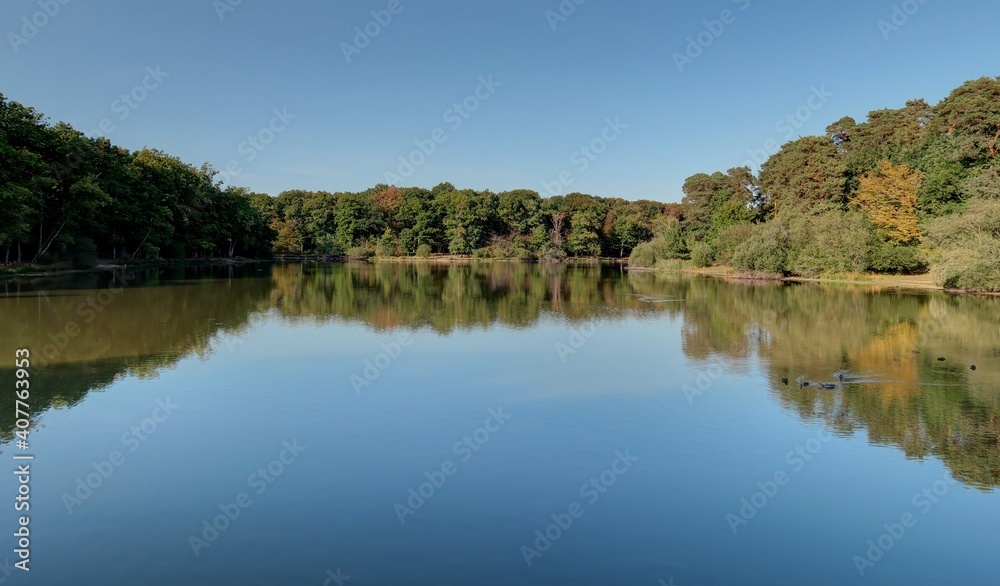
[{"x": 499, "y": 424}]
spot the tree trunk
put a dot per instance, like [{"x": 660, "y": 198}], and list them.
[
  {"x": 42, "y": 250},
  {"x": 148, "y": 232}
]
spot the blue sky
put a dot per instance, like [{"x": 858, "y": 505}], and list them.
[{"x": 223, "y": 78}]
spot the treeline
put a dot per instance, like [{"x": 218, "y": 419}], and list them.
[
  {"x": 391, "y": 221},
  {"x": 906, "y": 189},
  {"x": 65, "y": 196}
]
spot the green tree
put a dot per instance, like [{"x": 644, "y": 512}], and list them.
[{"x": 808, "y": 170}]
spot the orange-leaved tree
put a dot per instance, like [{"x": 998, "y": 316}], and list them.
[{"x": 888, "y": 196}]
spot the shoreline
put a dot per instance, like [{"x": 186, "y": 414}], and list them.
[
  {"x": 105, "y": 265},
  {"x": 901, "y": 282}
]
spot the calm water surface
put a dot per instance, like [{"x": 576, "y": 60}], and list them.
[{"x": 500, "y": 424}]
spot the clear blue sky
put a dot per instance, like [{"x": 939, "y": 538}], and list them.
[{"x": 557, "y": 87}]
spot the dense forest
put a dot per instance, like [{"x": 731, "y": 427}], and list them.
[
  {"x": 905, "y": 191},
  {"x": 65, "y": 196}
]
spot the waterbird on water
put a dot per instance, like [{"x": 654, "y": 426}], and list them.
[
  {"x": 784, "y": 380},
  {"x": 941, "y": 359},
  {"x": 973, "y": 367}
]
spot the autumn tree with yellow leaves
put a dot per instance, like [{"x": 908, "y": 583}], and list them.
[{"x": 888, "y": 196}]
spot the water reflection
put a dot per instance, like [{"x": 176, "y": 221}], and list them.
[{"x": 86, "y": 331}]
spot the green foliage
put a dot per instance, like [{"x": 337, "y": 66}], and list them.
[
  {"x": 358, "y": 219},
  {"x": 359, "y": 253},
  {"x": 701, "y": 255},
  {"x": 831, "y": 242},
  {"x": 985, "y": 184},
  {"x": 60, "y": 191},
  {"x": 809, "y": 170},
  {"x": 386, "y": 245},
  {"x": 971, "y": 115},
  {"x": 765, "y": 251},
  {"x": 941, "y": 191},
  {"x": 84, "y": 254},
  {"x": 894, "y": 258},
  {"x": 643, "y": 255},
  {"x": 973, "y": 267},
  {"x": 729, "y": 241}
]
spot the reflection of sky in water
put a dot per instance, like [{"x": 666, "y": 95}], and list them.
[{"x": 627, "y": 386}]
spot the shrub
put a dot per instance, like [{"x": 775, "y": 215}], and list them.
[
  {"x": 327, "y": 245},
  {"x": 895, "y": 258},
  {"x": 84, "y": 254},
  {"x": 973, "y": 267},
  {"x": 483, "y": 252},
  {"x": 766, "y": 251},
  {"x": 424, "y": 251},
  {"x": 358, "y": 253},
  {"x": 522, "y": 251},
  {"x": 831, "y": 242},
  {"x": 728, "y": 242},
  {"x": 660, "y": 248},
  {"x": 643, "y": 255},
  {"x": 552, "y": 253},
  {"x": 701, "y": 255},
  {"x": 968, "y": 247}
]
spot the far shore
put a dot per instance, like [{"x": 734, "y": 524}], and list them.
[{"x": 903, "y": 282}]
